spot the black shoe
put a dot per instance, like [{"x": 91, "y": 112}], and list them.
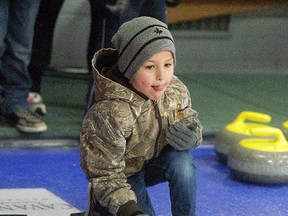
[
  {"x": 78, "y": 214},
  {"x": 26, "y": 121}
]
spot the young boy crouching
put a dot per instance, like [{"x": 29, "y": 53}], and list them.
[{"x": 141, "y": 127}]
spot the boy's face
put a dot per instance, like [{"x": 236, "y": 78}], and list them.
[{"x": 155, "y": 75}]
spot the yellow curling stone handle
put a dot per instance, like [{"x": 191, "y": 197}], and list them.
[
  {"x": 278, "y": 144},
  {"x": 243, "y": 123}
]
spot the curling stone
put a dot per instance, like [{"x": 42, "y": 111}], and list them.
[
  {"x": 260, "y": 160},
  {"x": 238, "y": 130}
]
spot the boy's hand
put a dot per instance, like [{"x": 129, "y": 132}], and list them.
[{"x": 180, "y": 137}]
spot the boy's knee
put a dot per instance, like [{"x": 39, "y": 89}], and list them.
[{"x": 183, "y": 165}]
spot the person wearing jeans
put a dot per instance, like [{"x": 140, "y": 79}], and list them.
[{"x": 17, "y": 18}]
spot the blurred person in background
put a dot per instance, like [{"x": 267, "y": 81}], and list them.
[
  {"x": 17, "y": 18},
  {"x": 106, "y": 18}
]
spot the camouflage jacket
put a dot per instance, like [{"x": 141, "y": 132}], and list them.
[{"x": 123, "y": 130}]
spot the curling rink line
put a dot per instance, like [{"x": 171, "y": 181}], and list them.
[{"x": 33, "y": 202}]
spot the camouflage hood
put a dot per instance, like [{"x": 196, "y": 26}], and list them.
[{"x": 104, "y": 66}]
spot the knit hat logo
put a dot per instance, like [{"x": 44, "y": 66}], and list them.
[
  {"x": 138, "y": 40},
  {"x": 158, "y": 31}
]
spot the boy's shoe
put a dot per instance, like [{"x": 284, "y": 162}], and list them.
[
  {"x": 26, "y": 121},
  {"x": 36, "y": 104}
]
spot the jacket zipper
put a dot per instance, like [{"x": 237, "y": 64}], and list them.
[{"x": 158, "y": 117}]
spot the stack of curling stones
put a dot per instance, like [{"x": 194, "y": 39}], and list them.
[
  {"x": 254, "y": 152},
  {"x": 238, "y": 130}
]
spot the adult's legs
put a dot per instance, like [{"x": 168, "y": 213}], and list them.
[
  {"x": 103, "y": 27},
  {"x": 14, "y": 74},
  {"x": 155, "y": 9},
  {"x": 4, "y": 13},
  {"x": 95, "y": 43},
  {"x": 43, "y": 41}
]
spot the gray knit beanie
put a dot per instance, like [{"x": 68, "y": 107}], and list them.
[{"x": 138, "y": 40}]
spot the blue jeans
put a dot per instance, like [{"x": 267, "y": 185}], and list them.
[
  {"x": 178, "y": 169},
  {"x": 17, "y": 18},
  {"x": 173, "y": 166}
]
